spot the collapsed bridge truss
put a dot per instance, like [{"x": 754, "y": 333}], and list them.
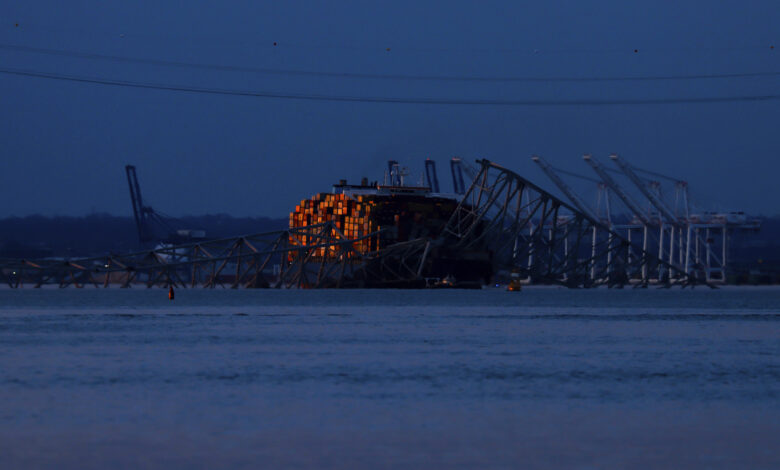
[
  {"x": 523, "y": 228},
  {"x": 272, "y": 259},
  {"x": 532, "y": 232}
]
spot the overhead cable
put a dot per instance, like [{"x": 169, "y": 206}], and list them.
[
  {"x": 386, "y": 99},
  {"x": 375, "y": 76}
]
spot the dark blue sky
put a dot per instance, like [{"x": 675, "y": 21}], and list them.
[{"x": 65, "y": 144}]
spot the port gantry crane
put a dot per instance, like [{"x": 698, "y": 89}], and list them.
[
  {"x": 144, "y": 216},
  {"x": 430, "y": 175},
  {"x": 150, "y": 223},
  {"x": 710, "y": 263},
  {"x": 688, "y": 228},
  {"x": 666, "y": 215},
  {"x": 637, "y": 211},
  {"x": 458, "y": 186},
  {"x": 576, "y": 200},
  {"x": 670, "y": 222}
]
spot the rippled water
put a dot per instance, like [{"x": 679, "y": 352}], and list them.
[{"x": 544, "y": 378}]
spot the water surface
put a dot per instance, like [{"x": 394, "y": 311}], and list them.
[{"x": 641, "y": 378}]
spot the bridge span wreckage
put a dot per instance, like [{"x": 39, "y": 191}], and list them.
[{"x": 392, "y": 234}]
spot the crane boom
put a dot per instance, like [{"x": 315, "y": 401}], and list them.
[
  {"x": 633, "y": 206},
  {"x": 565, "y": 188},
  {"x": 656, "y": 201},
  {"x": 430, "y": 174},
  {"x": 149, "y": 222},
  {"x": 458, "y": 186},
  {"x": 140, "y": 212}
]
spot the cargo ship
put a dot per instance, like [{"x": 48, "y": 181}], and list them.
[{"x": 394, "y": 213}]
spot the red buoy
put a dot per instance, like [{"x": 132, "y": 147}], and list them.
[{"x": 170, "y": 293}]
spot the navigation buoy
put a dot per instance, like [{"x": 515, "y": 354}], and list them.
[
  {"x": 170, "y": 293},
  {"x": 514, "y": 283}
]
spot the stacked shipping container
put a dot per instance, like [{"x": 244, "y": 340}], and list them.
[
  {"x": 402, "y": 216},
  {"x": 351, "y": 216}
]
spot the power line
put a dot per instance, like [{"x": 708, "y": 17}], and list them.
[
  {"x": 375, "y": 99},
  {"x": 356, "y": 75}
]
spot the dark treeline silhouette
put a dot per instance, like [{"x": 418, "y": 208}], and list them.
[
  {"x": 38, "y": 236},
  {"x": 754, "y": 257}
]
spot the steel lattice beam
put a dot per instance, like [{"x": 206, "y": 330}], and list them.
[{"x": 531, "y": 231}]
